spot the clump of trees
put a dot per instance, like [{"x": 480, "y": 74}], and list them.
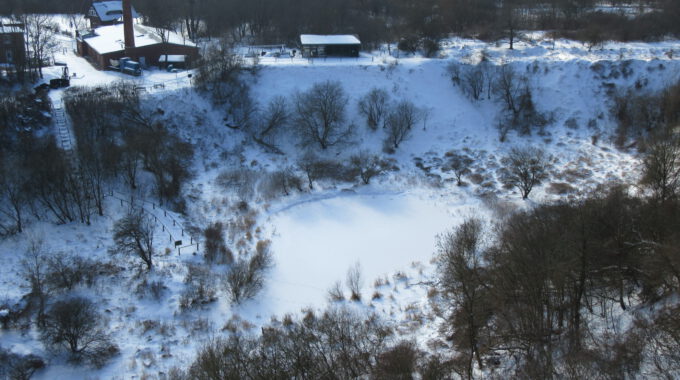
[
  {"x": 118, "y": 138},
  {"x": 221, "y": 74},
  {"x": 339, "y": 343},
  {"x": 537, "y": 286},
  {"x": 644, "y": 114},
  {"x": 505, "y": 84}
]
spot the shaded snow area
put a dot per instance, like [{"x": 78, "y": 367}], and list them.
[{"x": 388, "y": 227}]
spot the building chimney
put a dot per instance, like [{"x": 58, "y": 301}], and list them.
[{"x": 127, "y": 26}]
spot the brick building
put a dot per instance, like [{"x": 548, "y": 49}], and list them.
[{"x": 107, "y": 44}]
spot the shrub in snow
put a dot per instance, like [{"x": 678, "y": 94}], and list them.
[
  {"x": 335, "y": 293},
  {"x": 200, "y": 287},
  {"x": 319, "y": 169},
  {"x": 246, "y": 276},
  {"x": 398, "y": 362},
  {"x": 354, "y": 281},
  {"x": 15, "y": 366},
  {"x": 367, "y": 166},
  {"x": 66, "y": 271},
  {"x": 241, "y": 181},
  {"x": 216, "y": 250},
  {"x": 279, "y": 182}
]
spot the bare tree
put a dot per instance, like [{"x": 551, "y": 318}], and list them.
[
  {"x": 335, "y": 292},
  {"x": 661, "y": 168},
  {"x": 509, "y": 86},
  {"x": 40, "y": 39},
  {"x": 272, "y": 121},
  {"x": 76, "y": 325},
  {"x": 34, "y": 271},
  {"x": 320, "y": 114},
  {"x": 400, "y": 121},
  {"x": 354, "y": 281},
  {"x": 525, "y": 168},
  {"x": 459, "y": 165},
  {"x": 373, "y": 106},
  {"x": 459, "y": 264},
  {"x": 133, "y": 235},
  {"x": 13, "y": 195},
  {"x": 473, "y": 81}
]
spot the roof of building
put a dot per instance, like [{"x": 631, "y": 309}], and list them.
[
  {"x": 8, "y": 25},
  {"x": 110, "y": 10},
  {"x": 329, "y": 39},
  {"x": 109, "y": 39}
]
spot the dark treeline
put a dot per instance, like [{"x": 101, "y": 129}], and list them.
[
  {"x": 40, "y": 6},
  {"x": 116, "y": 141},
  {"x": 543, "y": 285},
  {"x": 424, "y": 21}
]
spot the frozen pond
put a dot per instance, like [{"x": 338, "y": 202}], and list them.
[{"x": 316, "y": 242}]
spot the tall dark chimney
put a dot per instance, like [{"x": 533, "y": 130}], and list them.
[{"x": 127, "y": 25}]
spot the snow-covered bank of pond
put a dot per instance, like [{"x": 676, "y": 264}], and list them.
[{"x": 316, "y": 242}]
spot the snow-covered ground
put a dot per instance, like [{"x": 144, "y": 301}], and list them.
[{"x": 388, "y": 227}]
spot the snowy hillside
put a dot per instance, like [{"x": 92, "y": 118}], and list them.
[{"x": 389, "y": 227}]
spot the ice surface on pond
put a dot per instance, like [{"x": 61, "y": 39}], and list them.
[{"x": 315, "y": 243}]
